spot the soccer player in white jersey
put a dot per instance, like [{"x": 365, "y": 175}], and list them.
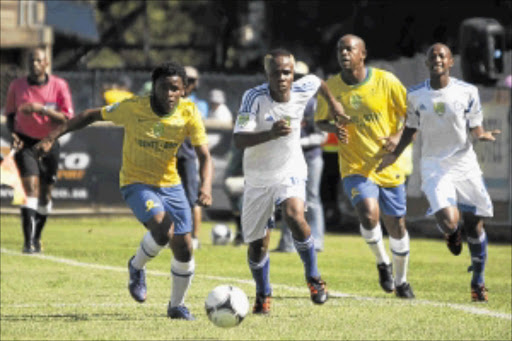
[
  {"x": 442, "y": 108},
  {"x": 268, "y": 127}
]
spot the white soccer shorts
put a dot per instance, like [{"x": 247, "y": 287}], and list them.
[
  {"x": 470, "y": 194},
  {"x": 259, "y": 205}
]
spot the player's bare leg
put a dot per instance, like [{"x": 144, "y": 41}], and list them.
[
  {"x": 293, "y": 213},
  {"x": 477, "y": 243},
  {"x": 448, "y": 222},
  {"x": 400, "y": 246},
  {"x": 369, "y": 216}
]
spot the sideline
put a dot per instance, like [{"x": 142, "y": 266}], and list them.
[{"x": 460, "y": 307}]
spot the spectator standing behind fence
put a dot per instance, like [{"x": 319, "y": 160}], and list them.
[
  {"x": 218, "y": 108},
  {"x": 187, "y": 158},
  {"x": 311, "y": 140},
  {"x": 36, "y": 105},
  {"x": 118, "y": 91},
  {"x": 154, "y": 127}
]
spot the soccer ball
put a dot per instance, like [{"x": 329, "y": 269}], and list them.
[
  {"x": 221, "y": 234},
  {"x": 226, "y": 306}
]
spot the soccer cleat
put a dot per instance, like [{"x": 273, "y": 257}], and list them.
[
  {"x": 239, "y": 240},
  {"x": 262, "y": 304},
  {"x": 404, "y": 291},
  {"x": 318, "y": 290},
  {"x": 479, "y": 293},
  {"x": 137, "y": 283},
  {"x": 38, "y": 246},
  {"x": 454, "y": 241},
  {"x": 180, "y": 312},
  {"x": 386, "y": 277},
  {"x": 27, "y": 248}
]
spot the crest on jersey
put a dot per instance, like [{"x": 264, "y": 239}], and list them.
[
  {"x": 439, "y": 108},
  {"x": 355, "y": 101},
  {"x": 242, "y": 119},
  {"x": 158, "y": 129}
]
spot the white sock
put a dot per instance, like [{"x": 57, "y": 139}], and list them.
[
  {"x": 46, "y": 209},
  {"x": 182, "y": 274},
  {"x": 400, "y": 250},
  {"x": 147, "y": 250},
  {"x": 374, "y": 240}
]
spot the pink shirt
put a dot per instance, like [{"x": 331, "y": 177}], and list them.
[{"x": 54, "y": 94}]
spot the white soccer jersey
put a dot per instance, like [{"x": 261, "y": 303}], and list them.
[
  {"x": 443, "y": 116},
  {"x": 273, "y": 161}
]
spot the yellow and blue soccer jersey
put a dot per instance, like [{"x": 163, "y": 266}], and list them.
[
  {"x": 151, "y": 142},
  {"x": 377, "y": 108}
]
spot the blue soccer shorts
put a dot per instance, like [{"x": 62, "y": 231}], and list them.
[
  {"x": 392, "y": 200},
  {"x": 146, "y": 201}
]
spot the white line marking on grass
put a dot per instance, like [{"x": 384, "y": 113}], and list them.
[{"x": 461, "y": 307}]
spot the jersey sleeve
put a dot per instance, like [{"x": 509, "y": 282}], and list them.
[
  {"x": 10, "y": 101},
  {"x": 398, "y": 95},
  {"x": 65, "y": 102},
  {"x": 474, "y": 109},
  {"x": 413, "y": 115},
  {"x": 115, "y": 113},
  {"x": 247, "y": 115},
  {"x": 307, "y": 86},
  {"x": 196, "y": 129}
]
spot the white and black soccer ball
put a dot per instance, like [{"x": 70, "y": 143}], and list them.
[
  {"x": 221, "y": 234},
  {"x": 226, "y": 306}
]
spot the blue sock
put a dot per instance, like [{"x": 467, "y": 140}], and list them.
[
  {"x": 306, "y": 250},
  {"x": 261, "y": 274},
  {"x": 478, "y": 251}
]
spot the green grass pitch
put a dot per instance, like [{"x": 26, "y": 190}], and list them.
[{"x": 77, "y": 290}]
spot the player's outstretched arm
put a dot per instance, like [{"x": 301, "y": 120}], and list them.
[
  {"x": 206, "y": 174},
  {"x": 76, "y": 123},
  {"x": 244, "y": 140},
  {"x": 335, "y": 108},
  {"x": 390, "y": 158},
  {"x": 484, "y": 135}
]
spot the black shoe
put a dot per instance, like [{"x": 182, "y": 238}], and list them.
[
  {"x": 180, "y": 313},
  {"x": 404, "y": 291},
  {"x": 479, "y": 293},
  {"x": 386, "y": 277},
  {"x": 38, "y": 246},
  {"x": 27, "y": 248},
  {"x": 239, "y": 240},
  {"x": 454, "y": 241},
  {"x": 262, "y": 304},
  {"x": 137, "y": 282},
  {"x": 318, "y": 290}
]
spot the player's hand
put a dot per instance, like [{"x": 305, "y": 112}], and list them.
[
  {"x": 342, "y": 133},
  {"x": 489, "y": 135},
  {"x": 387, "y": 160},
  {"x": 43, "y": 147},
  {"x": 338, "y": 114},
  {"x": 204, "y": 198},
  {"x": 17, "y": 143},
  {"x": 390, "y": 142},
  {"x": 28, "y": 108},
  {"x": 280, "y": 128}
]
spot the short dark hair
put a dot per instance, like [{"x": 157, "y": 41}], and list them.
[
  {"x": 278, "y": 52},
  {"x": 169, "y": 69}
]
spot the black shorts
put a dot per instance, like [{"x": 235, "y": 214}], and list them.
[
  {"x": 187, "y": 170},
  {"x": 29, "y": 164}
]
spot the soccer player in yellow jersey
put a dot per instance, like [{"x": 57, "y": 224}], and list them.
[
  {"x": 375, "y": 100},
  {"x": 154, "y": 128}
]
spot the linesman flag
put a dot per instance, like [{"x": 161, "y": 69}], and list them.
[{"x": 10, "y": 176}]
